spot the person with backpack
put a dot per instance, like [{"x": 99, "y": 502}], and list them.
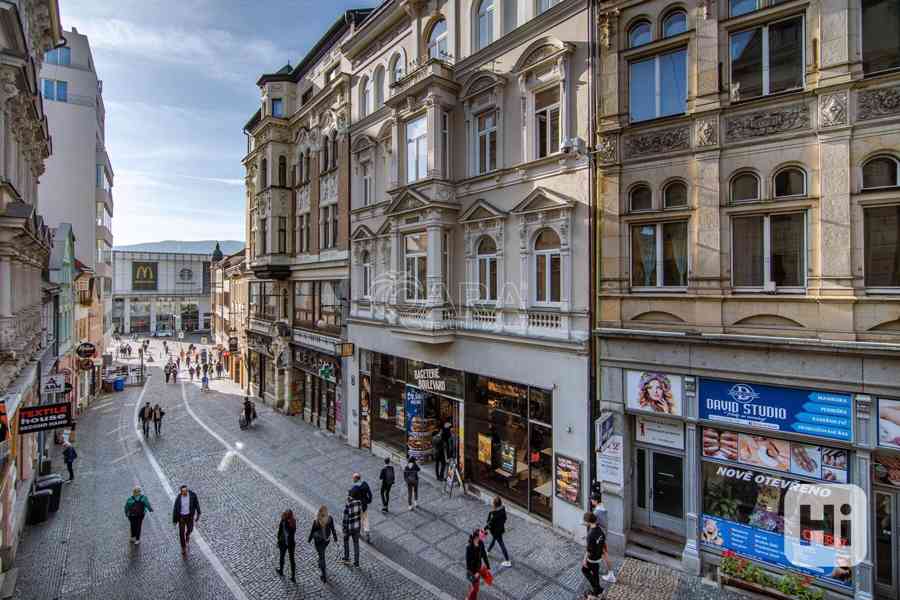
[
  {"x": 362, "y": 492},
  {"x": 387, "y": 481},
  {"x": 69, "y": 456},
  {"x": 411, "y": 477},
  {"x": 496, "y": 525},
  {"x": 320, "y": 535},
  {"x": 135, "y": 508},
  {"x": 596, "y": 548},
  {"x": 287, "y": 529}
]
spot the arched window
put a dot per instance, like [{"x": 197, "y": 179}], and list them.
[
  {"x": 366, "y": 275},
  {"x": 675, "y": 195},
  {"x": 639, "y": 34},
  {"x": 323, "y": 155},
  {"x": 285, "y": 304},
  {"x": 790, "y": 182},
  {"x": 674, "y": 23},
  {"x": 379, "y": 88},
  {"x": 744, "y": 188},
  {"x": 547, "y": 267},
  {"x": 487, "y": 270},
  {"x": 264, "y": 174},
  {"x": 437, "y": 41},
  {"x": 398, "y": 68},
  {"x": 485, "y": 23},
  {"x": 365, "y": 96},
  {"x": 282, "y": 171},
  {"x": 881, "y": 172},
  {"x": 641, "y": 198}
]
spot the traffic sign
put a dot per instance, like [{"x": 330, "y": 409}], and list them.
[{"x": 180, "y": 335}]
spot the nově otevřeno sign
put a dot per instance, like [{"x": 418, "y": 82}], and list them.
[{"x": 43, "y": 417}]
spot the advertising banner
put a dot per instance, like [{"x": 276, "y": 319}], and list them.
[
  {"x": 144, "y": 276},
  {"x": 808, "y": 412},
  {"x": 669, "y": 434},
  {"x": 419, "y": 428},
  {"x": 889, "y": 423},
  {"x": 44, "y": 417},
  {"x": 651, "y": 391}
]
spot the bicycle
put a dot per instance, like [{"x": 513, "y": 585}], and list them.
[{"x": 453, "y": 478}]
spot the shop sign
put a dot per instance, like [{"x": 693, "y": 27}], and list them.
[
  {"x": 886, "y": 469},
  {"x": 743, "y": 512},
  {"x": 889, "y": 423},
  {"x": 430, "y": 380},
  {"x": 54, "y": 384},
  {"x": 232, "y": 344},
  {"x": 86, "y": 350},
  {"x": 568, "y": 479},
  {"x": 143, "y": 276},
  {"x": 809, "y": 412},
  {"x": 655, "y": 392},
  {"x": 87, "y": 364},
  {"x": 43, "y": 417},
  {"x": 611, "y": 464},
  {"x": 669, "y": 434},
  {"x": 419, "y": 428},
  {"x": 180, "y": 335}
]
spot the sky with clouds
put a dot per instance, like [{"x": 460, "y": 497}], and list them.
[{"x": 179, "y": 82}]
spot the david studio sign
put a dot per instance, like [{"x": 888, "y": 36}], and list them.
[{"x": 44, "y": 417}]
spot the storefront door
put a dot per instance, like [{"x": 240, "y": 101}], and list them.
[
  {"x": 887, "y": 545},
  {"x": 262, "y": 376},
  {"x": 659, "y": 482}
]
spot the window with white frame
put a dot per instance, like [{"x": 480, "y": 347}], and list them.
[
  {"x": 547, "y": 268},
  {"x": 674, "y": 23},
  {"x": 769, "y": 251},
  {"x": 485, "y": 23},
  {"x": 675, "y": 195},
  {"x": 416, "y": 149},
  {"x": 659, "y": 256},
  {"x": 640, "y": 198},
  {"x": 487, "y": 269},
  {"x": 657, "y": 86},
  {"x": 415, "y": 256},
  {"x": 790, "y": 182},
  {"x": 881, "y": 172},
  {"x": 437, "y": 41},
  {"x": 882, "y": 246},
  {"x": 366, "y": 171},
  {"x": 398, "y": 68},
  {"x": 366, "y": 263},
  {"x": 546, "y": 121},
  {"x": 880, "y": 35},
  {"x": 486, "y": 148},
  {"x": 767, "y": 59},
  {"x": 745, "y": 188},
  {"x": 545, "y": 5}
]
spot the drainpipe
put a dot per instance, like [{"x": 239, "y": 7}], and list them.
[{"x": 593, "y": 246}]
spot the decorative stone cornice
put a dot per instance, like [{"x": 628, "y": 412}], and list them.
[
  {"x": 879, "y": 102},
  {"x": 656, "y": 142}
]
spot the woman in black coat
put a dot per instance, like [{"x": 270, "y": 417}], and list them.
[
  {"x": 476, "y": 557},
  {"x": 321, "y": 533},
  {"x": 496, "y": 524},
  {"x": 287, "y": 528}
]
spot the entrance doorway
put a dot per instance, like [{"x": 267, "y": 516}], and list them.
[
  {"x": 659, "y": 484},
  {"x": 887, "y": 545},
  {"x": 262, "y": 376}
]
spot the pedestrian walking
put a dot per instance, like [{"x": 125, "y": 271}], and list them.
[
  {"x": 136, "y": 507},
  {"x": 204, "y": 383},
  {"x": 352, "y": 512},
  {"x": 596, "y": 548},
  {"x": 287, "y": 529},
  {"x": 411, "y": 477},
  {"x": 600, "y": 514},
  {"x": 387, "y": 481},
  {"x": 477, "y": 564},
  {"x": 178, "y": 362},
  {"x": 181, "y": 354},
  {"x": 438, "y": 454},
  {"x": 185, "y": 512},
  {"x": 146, "y": 416},
  {"x": 158, "y": 414},
  {"x": 219, "y": 370},
  {"x": 496, "y": 525},
  {"x": 362, "y": 492},
  {"x": 69, "y": 456},
  {"x": 167, "y": 372},
  {"x": 191, "y": 371},
  {"x": 320, "y": 535}
]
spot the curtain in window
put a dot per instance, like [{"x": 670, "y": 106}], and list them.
[
  {"x": 787, "y": 249},
  {"x": 643, "y": 255},
  {"x": 747, "y": 252},
  {"x": 675, "y": 260}
]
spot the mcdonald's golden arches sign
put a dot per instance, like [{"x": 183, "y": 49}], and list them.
[{"x": 144, "y": 275}]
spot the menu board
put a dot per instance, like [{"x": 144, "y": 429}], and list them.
[
  {"x": 508, "y": 458},
  {"x": 568, "y": 479},
  {"x": 810, "y": 412},
  {"x": 419, "y": 428},
  {"x": 485, "y": 448},
  {"x": 818, "y": 462}
]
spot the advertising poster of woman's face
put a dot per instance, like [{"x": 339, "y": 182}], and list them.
[
  {"x": 654, "y": 392},
  {"x": 889, "y": 423}
]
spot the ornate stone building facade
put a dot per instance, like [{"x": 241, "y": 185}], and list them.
[{"x": 749, "y": 226}]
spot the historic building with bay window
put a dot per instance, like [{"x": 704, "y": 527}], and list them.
[
  {"x": 469, "y": 186},
  {"x": 748, "y": 253}
]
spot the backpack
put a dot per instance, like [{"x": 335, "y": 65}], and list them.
[
  {"x": 137, "y": 507},
  {"x": 367, "y": 495},
  {"x": 389, "y": 475},
  {"x": 411, "y": 476}
]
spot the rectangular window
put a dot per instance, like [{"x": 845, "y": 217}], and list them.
[
  {"x": 416, "y": 150},
  {"x": 59, "y": 56},
  {"x": 366, "y": 183},
  {"x": 264, "y": 235},
  {"x": 307, "y": 95},
  {"x": 62, "y": 91},
  {"x": 304, "y": 303},
  {"x": 445, "y": 145},
  {"x": 544, "y": 5},
  {"x": 882, "y": 246},
  {"x": 104, "y": 219},
  {"x": 767, "y": 60},
  {"x": 330, "y": 306},
  {"x": 416, "y": 262},
  {"x": 325, "y": 227},
  {"x": 49, "y": 87},
  {"x": 880, "y": 35},
  {"x": 659, "y": 255},
  {"x": 269, "y": 300},
  {"x": 277, "y": 107},
  {"x": 769, "y": 251},
  {"x": 658, "y": 86},
  {"x": 282, "y": 235},
  {"x": 486, "y": 148},
  {"x": 546, "y": 109}
]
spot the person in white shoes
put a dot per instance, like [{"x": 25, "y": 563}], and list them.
[
  {"x": 136, "y": 507},
  {"x": 496, "y": 525},
  {"x": 600, "y": 513}
]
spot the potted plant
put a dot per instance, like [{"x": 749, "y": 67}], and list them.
[{"x": 740, "y": 573}]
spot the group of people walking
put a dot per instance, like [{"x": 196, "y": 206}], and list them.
[{"x": 148, "y": 415}]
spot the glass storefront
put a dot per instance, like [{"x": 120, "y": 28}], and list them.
[
  {"x": 139, "y": 317},
  {"x": 314, "y": 388},
  {"x": 190, "y": 316}
]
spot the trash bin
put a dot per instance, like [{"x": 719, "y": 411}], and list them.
[
  {"x": 38, "y": 506},
  {"x": 120, "y": 384},
  {"x": 54, "y": 484}
]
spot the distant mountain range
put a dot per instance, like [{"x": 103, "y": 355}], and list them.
[{"x": 198, "y": 247}]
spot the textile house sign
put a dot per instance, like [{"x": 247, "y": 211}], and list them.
[{"x": 44, "y": 417}]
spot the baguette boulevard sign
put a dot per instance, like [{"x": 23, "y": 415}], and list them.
[{"x": 44, "y": 417}]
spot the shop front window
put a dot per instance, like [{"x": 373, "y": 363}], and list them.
[{"x": 386, "y": 412}]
